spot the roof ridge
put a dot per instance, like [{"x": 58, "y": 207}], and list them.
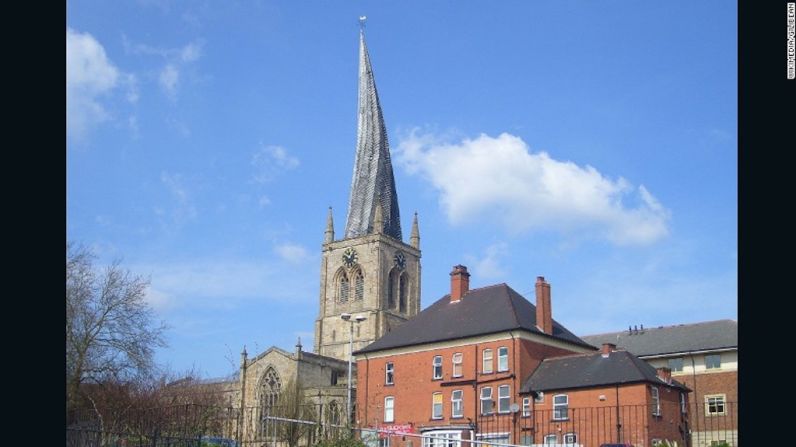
[
  {"x": 663, "y": 327},
  {"x": 485, "y": 287}
]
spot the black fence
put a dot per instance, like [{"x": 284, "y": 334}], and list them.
[
  {"x": 637, "y": 425},
  {"x": 191, "y": 425},
  {"x": 204, "y": 426}
]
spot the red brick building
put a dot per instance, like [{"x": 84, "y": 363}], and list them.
[
  {"x": 463, "y": 368},
  {"x": 704, "y": 357},
  {"x": 610, "y": 396}
]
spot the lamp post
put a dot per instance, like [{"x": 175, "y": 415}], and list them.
[{"x": 358, "y": 319}]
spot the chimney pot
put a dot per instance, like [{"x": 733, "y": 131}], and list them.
[{"x": 460, "y": 282}]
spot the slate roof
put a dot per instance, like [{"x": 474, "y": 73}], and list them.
[
  {"x": 481, "y": 311},
  {"x": 372, "y": 182},
  {"x": 591, "y": 370},
  {"x": 703, "y": 336}
]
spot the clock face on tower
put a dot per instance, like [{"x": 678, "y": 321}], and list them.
[
  {"x": 400, "y": 260},
  {"x": 349, "y": 257}
]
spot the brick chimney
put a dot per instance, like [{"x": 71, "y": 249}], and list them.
[
  {"x": 460, "y": 282},
  {"x": 544, "y": 313},
  {"x": 665, "y": 374},
  {"x": 608, "y": 348}
]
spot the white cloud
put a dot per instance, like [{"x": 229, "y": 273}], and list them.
[
  {"x": 269, "y": 161},
  {"x": 89, "y": 76},
  {"x": 222, "y": 283},
  {"x": 177, "y": 62},
  {"x": 292, "y": 253},
  {"x": 169, "y": 79},
  {"x": 489, "y": 265},
  {"x": 185, "y": 209},
  {"x": 264, "y": 201},
  {"x": 501, "y": 179},
  {"x": 191, "y": 52}
]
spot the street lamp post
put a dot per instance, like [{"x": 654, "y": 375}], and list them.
[{"x": 358, "y": 319}]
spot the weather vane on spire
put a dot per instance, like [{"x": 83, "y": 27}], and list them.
[{"x": 362, "y": 22}]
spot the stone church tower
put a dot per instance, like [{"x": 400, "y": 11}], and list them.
[{"x": 371, "y": 272}]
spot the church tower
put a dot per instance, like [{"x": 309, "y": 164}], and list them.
[{"x": 371, "y": 272}]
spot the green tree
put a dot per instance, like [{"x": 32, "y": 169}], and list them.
[{"x": 111, "y": 332}]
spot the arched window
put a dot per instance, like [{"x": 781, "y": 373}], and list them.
[
  {"x": 391, "y": 284},
  {"x": 402, "y": 291},
  {"x": 359, "y": 286},
  {"x": 334, "y": 413},
  {"x": 342, "y": 289},
  {"x": 270, "y": 388}
]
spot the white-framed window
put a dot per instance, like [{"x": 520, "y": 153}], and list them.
[
  {"x": 384, "y": 442},
  {"x": 504, "y": 398},
  {"x": 683, "y": 407},
  {"x": 389, "y": 409},
  {"x": 457, "y": 364},
  {"x": 713, "y": 361},
  {"x": 526, "y": 407},
  {"x": 551, "y": 439},
  {"x": 437, "y": 366},
  {"x": 442, "y": 438},
  {"x": 457, "y": 404},
  {"x": 656, "y": 401},
  {"x": 676, "y": 364},
  {"x": 503, "y": 359},
  {"x": 570, "y": 439},
  {"x": 539, "y": 397},
  {"x": 492, "y": 438},
  {"x": 560, "y": 407},
  {"x": 715, "y": 405},
  {"x": 389, "y": 373},
  {"x": 436, "y": 406},
  {"x": 486, "y": 366},
  {"x": 486, "y": 400}
]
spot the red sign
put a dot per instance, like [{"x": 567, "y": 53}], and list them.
[{"x": 395, "y": 429}]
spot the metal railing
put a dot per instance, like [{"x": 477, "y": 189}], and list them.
[{"x": 202, "y": 426}]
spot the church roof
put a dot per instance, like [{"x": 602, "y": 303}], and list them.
[
  {"x": 681, "y": 338},
  {"x": 481, "y": 311},
  {"x": 373, "y": 183}
]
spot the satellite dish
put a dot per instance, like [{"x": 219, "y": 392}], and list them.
[{"x": 515, "y": 407}]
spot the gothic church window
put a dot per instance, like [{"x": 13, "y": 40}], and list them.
[
  {"x": 359, "y": 286},
  {"x": 270, "y": 388},
  {"x": 342, "y": 290},
  {"x": 402, "y": 290},
  {"x": 391, "y": 284}
]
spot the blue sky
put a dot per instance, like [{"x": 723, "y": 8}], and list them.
[{"x": 590, "y": 143}]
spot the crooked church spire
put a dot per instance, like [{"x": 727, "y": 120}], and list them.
[{"x": 373, "y": 180}]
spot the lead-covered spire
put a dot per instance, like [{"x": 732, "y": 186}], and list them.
[{"x": 373, "y": 179}]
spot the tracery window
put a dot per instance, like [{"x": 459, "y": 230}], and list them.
[
  {"x": 342, "y": 290},
  {"x": 270, "y": 388}
]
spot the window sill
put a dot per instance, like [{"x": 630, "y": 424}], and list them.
[
  {"x": 389, "y": 384},
  {"x": 433, "y": 379},
  {"x": 559, "y": 420},
  {"x": 456, "y": 418}
]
